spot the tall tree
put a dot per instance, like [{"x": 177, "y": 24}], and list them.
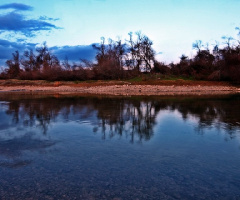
[
  {"x": 141, "y": 52},
  {"x": 29, "y": 61},
  {"x": 13, "y": 65},
  {"x": 45, "y": 60},
  {"x": 110, "y": 58}
]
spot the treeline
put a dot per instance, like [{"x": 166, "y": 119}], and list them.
[
  {"x": 123, "y": 60},
  {"x": 131, "y": 117},
  {"x": 218, "y": 64}
]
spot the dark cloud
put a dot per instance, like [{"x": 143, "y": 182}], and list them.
[
  {"x": 16, "y": 45},
  {"x": 7, "y": 48},
  {"x": 16, "y": 6},
  {"x": 74, "y": 53},
  {"x": 17, "y": 23},
  {"x": 14, "y": 25}
]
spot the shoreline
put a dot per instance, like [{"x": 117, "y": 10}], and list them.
[
  {"x": 124, "y": 90},
  {"x": 119, "y": 87}
]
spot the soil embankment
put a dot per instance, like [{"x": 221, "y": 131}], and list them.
[{"x": 161, "y": 87}]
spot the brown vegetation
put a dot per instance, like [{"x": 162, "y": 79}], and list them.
[
  {"x": 122, "y": 61},
  {"x": 129, "y": 87}
]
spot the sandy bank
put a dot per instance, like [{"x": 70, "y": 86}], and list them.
[{"x": 126, "y": 89}]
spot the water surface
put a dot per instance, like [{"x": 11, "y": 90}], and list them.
[{"x": 86, "y": 147}]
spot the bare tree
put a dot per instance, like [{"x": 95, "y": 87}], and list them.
[
  {"x": 141, "y": 52},
  {"x": 45, "y": 60},
  {"x": 29, "y": 61},
  {"x": 228, "y": 42},
  {"x": 197, "y": 45},
  {"x": 110, "y": 58},
  {"x": 66, "y": 64},
  {"x": 13, "y": 65}
]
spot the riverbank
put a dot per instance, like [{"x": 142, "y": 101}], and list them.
[{"x": 156, "y": 87}]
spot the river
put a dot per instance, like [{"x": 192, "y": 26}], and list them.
[{"x": 99, "y": 147}]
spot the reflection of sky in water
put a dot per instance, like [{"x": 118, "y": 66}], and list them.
[
  {"x": 118, "y": 148},
  {"x": 171, "y": 119}
]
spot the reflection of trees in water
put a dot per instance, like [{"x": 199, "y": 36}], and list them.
[
  {"x": 221, "y": 113},
  {"x": 30, "y": 114},
  {"x": 130, "y": 117},
  {"x": 125, "y": 116},
  {"x": 40, "y": 113},
  {"x": 119, "y": 116}
]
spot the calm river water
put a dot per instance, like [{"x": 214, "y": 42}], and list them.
[{"x": 86, "y": 147}]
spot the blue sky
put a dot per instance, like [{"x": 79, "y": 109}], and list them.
[{"x": 70, "y": 26}]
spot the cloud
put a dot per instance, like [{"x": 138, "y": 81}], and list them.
[
  {"x": 16, "y": 45},
  {"x": 45, "y": 18},
  {"x": 17, "y": 23},
  {"x": 7, "y": 48},
  {"x": 74, "y": 53},
  {"x": 238, "y": 29},
  {"x": 16, "y": 6}
]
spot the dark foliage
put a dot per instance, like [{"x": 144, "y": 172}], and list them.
[
  {"x": 123, "y": 60},
  {"x": 218, "y": 65},
  {"x": 13, "y": 70}
]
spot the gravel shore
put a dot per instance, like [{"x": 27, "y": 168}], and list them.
[{"x": 126, "y": 89}]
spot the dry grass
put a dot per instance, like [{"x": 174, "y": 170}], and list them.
[{"x": 179, "y": 82}]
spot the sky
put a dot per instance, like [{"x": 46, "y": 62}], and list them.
[{"x": 70, "y": 27}]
